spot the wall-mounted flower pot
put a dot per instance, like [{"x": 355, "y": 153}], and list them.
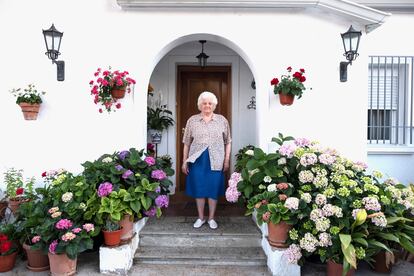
[
  {"x": 278, "y": 234},
  {"x": 36, "y": 259},
  {"x": 30, "y": 111},
  {"x": 112, "y": 238},
  {"x": 118, "y": 93},
  {"x": 286, "y": 99}
]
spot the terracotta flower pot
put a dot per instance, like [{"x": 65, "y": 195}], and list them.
[
  {"x": 127, "y": 230},
  {"x": 286, "y": 99},
  {"x": 30, "y": 111},
  {"x": 278, "y": 234},
  {"x": 118, "y": 93},
  {"x": 112, "y": 238},
  {"x": 381, "y": 262},
  {"x": 334, "y": 269},
  {"x": 61, "y": 265},
  {"x": 36, "y": 259},
  {"x": 3, "y": 207},
  {"x": 14, "y": 204},
  {"x": 7, "y": 262}
]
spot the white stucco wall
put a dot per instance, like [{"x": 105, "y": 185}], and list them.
[
  {"x": 97, "y": 33},
  {"x": 392, "y": 39}
]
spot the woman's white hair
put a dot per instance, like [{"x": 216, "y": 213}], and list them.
[{"x": 206, "y": 95}]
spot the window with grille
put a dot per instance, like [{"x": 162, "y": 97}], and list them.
[{"x": 390, "y": 100}]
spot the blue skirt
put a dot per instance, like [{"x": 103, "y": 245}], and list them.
[{"x": 201, "y": 181}]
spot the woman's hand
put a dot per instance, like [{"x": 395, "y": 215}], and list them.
[
  {"x": 184, "y": 168},
  {"x": 226, "y": 165}
]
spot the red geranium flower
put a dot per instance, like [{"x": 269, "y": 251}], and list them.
[
  {"x": 302, "y": 70},
  {"x": 297, "y": 75},
  {"x": 3, "y": 238},
  {"x": 43, "y": 174},
  {"x": 275, "y": 81},
  {"x": 19, "y": 191},
  {"x": 289, "y": 69},
  {"x": 5, "y": 246}
]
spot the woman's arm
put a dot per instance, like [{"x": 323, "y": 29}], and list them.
[
  {"x": 184, "y": 167},
  {"x": 226, "y": 164}
]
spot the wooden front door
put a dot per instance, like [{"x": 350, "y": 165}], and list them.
[{"x": 192, "y": 80}]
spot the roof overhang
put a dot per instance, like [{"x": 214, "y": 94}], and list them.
[{"x": 365, "y": 16}]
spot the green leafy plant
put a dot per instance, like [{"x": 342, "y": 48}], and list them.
[
  {"x": 16, "y": 186},
  {"x": 28, "y": 95},
  {"x": 290, "y": 84},
  {"x": 158, "y": 118}
]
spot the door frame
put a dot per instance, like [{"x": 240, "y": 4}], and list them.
[{"x": 191, "y": 68}]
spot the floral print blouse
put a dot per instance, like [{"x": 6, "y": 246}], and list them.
[{"x": 213, "y": 135}]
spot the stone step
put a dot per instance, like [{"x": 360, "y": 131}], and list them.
[
  {"x": 179, "y": 231},
  {"x": 197, "y": 270},
  {"x": 238, "y": 256},
  {"x": 187, "y": 240}
]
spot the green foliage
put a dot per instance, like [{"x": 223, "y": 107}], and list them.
[
  {"x": 13, "y": 179},
  {"x": 28, "y": 95},
  {"x": 159, "y": 118}
]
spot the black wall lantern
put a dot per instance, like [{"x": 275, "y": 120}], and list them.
[
  {"x": 52, "y": 40},
  {"x": 202, "y": 57},
  {"x": 350, "y": 40}
]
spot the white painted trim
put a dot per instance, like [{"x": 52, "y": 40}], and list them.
[
  {"x": 398, "y": 150},
  {"x": 405, "y": 6},
  {"x": 363, "y": 15},
  {"x": 216, "y": 60}
]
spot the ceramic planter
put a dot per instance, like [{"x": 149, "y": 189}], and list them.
[
  {"x": 14, "y": 204},
  {"x": 112, "y": 238},
  {"x": 334, "y": 269},
  {"x": 61, "y": 265},
  {"x": 36, "y": 260},
  {"x": 7, "y": 262},
  {"x": 30, "y": 111},
  {"x": 278, "y": 234},
  {"x": 286, "y": 99},
  {"x": 156, "y": 136},
  {"x": 118, "y": 93},
  {"x": 382, "y": 265}
]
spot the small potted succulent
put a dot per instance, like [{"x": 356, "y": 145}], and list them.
[{"x": 29, "y": 99}]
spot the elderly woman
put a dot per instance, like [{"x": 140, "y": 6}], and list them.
[{"x": 206, "y": 155}]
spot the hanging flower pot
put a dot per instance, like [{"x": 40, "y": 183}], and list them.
[
  {"x": 334, "y": 269},
  {"x": 36, "y": 260},
  {"x": 30, "y": 111},
  {"x": 7, "y": 262},
  {"x": 286, "y": 99},
  {"x": 127, "y": 230},
  {"x": 62, "y": 265},
  {"x": 112, "y": 238},
  {"x": 278, "y": 234},
  {"x": 118, "y": 93}
]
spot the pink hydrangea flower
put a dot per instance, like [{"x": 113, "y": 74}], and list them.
[
  {"x": 88, "y": 227},
  {"x": 68, "y": 236},
  {"x": 35, "y": 239},
  {"x": 158, "y": 174},
  {"x": 63, "y": 224},
  {"x": 150, "y": 160},
  {"x": 52, "y": 246},
  {"x": 76, "y": 230},
  {"x": 232, "y": 194}
]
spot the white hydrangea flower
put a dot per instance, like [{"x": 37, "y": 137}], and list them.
[
  {"x": 306, "y": 197},
  {"x": 267, "y": 179},
  {"x": 281, "y": 161},
  {"x": 272, "y": 188},
  {"x": 66, "y": 197},
  {"x": 249, "y": 152},
  {"x": 107, "y": 160}
]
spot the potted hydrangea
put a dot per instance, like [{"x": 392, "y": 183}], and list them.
[
  {"x": 29, "y": 100},
  {"x": 109, "y": 87},
  {"x": 289, "y": 86}
]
